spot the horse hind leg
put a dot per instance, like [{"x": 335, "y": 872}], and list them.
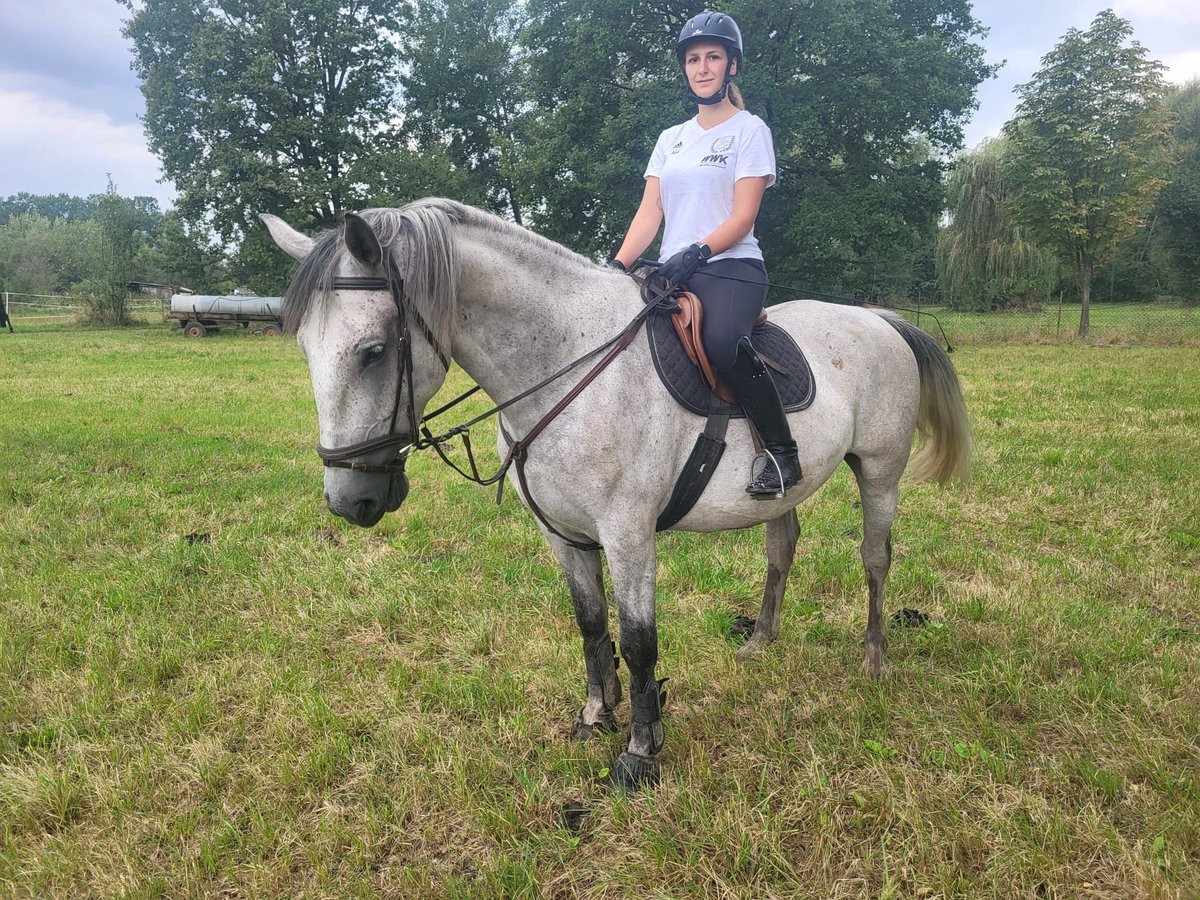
[
  {"x": 782, "y": 534},
  {"x": 878, "y": 492},
  {"x": 586, "y": 583}
]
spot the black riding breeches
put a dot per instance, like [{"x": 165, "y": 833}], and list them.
[{"x": 732, "y": 304}]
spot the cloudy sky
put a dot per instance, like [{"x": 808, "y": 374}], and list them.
[{"x": 69, "y": 104}]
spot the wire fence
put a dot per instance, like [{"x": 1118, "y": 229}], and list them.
[
  {"x": 1132, "y": 323},
  {"x": 64, "y": 309},
  {"x": 1164, "y": 321}
]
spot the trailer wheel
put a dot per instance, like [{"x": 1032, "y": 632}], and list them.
[
  {"x": 194, "y": 329},
  {"x": 272, "y": 329}
]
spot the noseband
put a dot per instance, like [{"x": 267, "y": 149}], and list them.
[{"x": 341, "y": 457}]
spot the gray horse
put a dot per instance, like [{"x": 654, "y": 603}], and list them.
[{"x": 512, "y": 308}]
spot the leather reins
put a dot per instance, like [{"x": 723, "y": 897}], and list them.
[{"x": 342, "y": 457}]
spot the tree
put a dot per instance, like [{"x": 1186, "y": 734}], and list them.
[
  {"x": 184, "y": 256},
  {"x": 115, "y": 241},
  {"x": 52, "y": 206},
  {"x": 1177, "y": 211},
  {"x": 862, "y": 98},
  {"x": 984, "y": 259},
  {"x": 464, "y": 94},
  {"x": 268, "y": 106},
  {"x": 44, "y": 256},
  {"x": 1087, "y": 147}
]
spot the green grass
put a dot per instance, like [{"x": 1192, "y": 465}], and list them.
[{"x": 209, "y": 686}]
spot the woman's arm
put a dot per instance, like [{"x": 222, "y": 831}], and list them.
[
  {"x": 747, "y": 197},
  {"x": 645, "y": 224}
]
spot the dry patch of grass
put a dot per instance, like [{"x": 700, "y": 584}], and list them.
[{"x": 210, "y": 687}]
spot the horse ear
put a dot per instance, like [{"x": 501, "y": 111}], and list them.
[
  {"x": 362, "y": 242},
  {"x": 290, "y": 241}
]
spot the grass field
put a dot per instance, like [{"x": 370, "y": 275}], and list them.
[{"x": 210, "y": 687}]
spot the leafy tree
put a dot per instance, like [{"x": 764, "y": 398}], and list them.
[
  {"x": 115, "y": 241},
  {"x": 76, "y": 209},
  {"x": 51, "y": 206},
  {"x": 985, "y": 260},
  {"x": 1177, "y": 211},
  {"x": 464, "y": 95},
  {"x": 547, "y": 111},
  {"x": 39, "y": 255},
  {"x": 1087, "y": 147},
  {"x": 603, "y": 83},
  {"x": 270, "y": 105},
  {"x": 184, "y": 256}
]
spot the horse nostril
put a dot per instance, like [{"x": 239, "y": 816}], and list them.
[{"x": 366, "y": 510}]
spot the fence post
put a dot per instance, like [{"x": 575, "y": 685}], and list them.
[{"x": 1058, "y": 324}]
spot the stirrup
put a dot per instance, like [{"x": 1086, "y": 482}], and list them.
[{"x": 770, "y": 484}]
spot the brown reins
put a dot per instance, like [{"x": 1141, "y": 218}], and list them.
[{"x": 343, "y": 457}]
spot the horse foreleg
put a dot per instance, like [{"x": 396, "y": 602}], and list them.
[
  {"x": 586, "y": 583},
  {"x": 782, "y": 534},
  {"x": 879, "y": 511},
  {"x": 633, "y": 576}
]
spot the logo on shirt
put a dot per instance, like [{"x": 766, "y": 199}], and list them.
[
  {"x": 678, "y": 146},
  {"x": 720, "y": 160},
  {"x": 723, "y": 144}
]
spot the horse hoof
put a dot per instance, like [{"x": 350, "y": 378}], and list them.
[
  {"x": 631, "y": 772},
  {"x": 586, "y": 731},
  {"x": 751, "y": 651},
  {"x": 873, "y": 667}
]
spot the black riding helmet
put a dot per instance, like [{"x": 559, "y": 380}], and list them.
[{"x": 711, "y": 26}]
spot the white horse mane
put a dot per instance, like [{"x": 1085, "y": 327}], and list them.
[{"x": 419, "y": 237}]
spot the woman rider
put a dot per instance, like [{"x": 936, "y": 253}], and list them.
[{"x": 707, "y": 177}]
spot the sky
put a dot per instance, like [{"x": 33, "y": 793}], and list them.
[{"x": 70, "y": 106}]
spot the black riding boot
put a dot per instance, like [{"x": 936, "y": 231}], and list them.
[{"x": 756, "y": 390}]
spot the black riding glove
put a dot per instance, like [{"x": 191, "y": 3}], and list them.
[{"x": 683, "y": 265}]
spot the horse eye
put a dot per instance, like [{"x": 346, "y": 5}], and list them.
[{"x": 373, "y": 354}]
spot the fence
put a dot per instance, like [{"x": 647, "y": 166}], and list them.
[
  {"x": 49, "y": 309},
  {"x": 1153, "y": 323},
  {"x": 1148, "y": 323}
]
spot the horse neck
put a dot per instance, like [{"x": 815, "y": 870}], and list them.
[{"x": 523, "y": 313}]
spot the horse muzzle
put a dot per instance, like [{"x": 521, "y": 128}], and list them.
[{"x": 363, "y": 498}]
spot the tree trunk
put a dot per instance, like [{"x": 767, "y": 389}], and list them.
[
  {"x": 1085, "y": 295},
  {"x": 513, "y": 204}
]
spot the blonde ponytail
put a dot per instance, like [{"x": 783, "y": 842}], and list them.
[{"x": 735, "y": 96}]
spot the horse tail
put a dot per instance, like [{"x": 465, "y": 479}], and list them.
[{"x": 944, "y": 443}]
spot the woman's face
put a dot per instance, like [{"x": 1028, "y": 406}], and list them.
[{"x": 704, "y": 65}]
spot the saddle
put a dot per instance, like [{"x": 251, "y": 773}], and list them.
[
  {"x": 684, "y": 369},
  {"x": 683, "y": 366}
]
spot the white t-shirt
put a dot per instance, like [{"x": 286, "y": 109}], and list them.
[{"x": 696, "y": 170}]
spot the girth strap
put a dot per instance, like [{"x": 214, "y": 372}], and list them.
[{"x": 697, "y": 471}]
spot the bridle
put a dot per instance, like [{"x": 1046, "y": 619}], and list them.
[{"x": 342, "y": 457}]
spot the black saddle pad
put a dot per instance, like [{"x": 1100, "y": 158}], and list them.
[{"x": 683, "y": 379}]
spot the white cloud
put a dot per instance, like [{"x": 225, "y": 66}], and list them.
[
  {"x": 1174, "y": 12},
  {"x": 1182, "y": 67},
  {"x": 50, "y": 146}
]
